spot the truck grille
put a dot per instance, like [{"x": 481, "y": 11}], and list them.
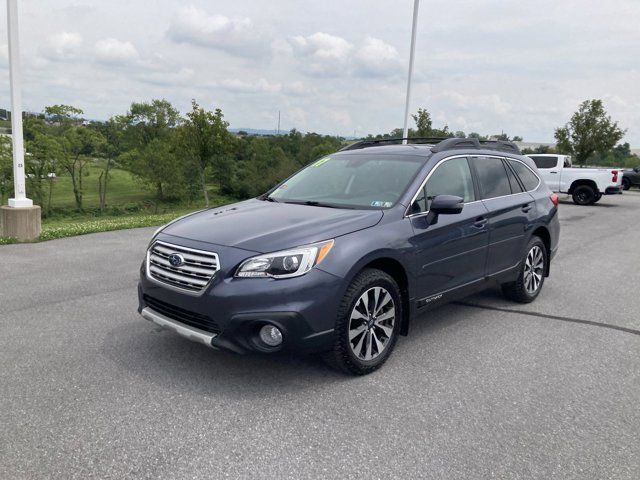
[
  {"x": 192, "y": 271},
  {"x": 181, "y": 315}
]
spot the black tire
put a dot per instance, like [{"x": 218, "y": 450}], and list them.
[
  {"x": 342, "y": 355},
  {"x": 584, "y": 195},
  {"x": 598, "y": 198},
  {"x": 626, "y": 184},
  {"x": 519, "y": 290}
]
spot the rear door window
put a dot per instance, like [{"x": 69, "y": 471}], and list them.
[
  {"x": 492, "y": 176},
  {"x": 526, "y": 176}
]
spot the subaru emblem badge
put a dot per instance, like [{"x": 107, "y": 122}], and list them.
[{"x": 175, "y": 259}]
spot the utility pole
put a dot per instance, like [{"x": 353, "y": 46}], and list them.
[
  {"x": 278, "y": 122},
  {"x": 405, "y": 131},
  {"x": 21, "y": 219},
  {"x": 20, "y": 195}
]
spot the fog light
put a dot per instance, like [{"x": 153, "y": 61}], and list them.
[{"x": 271, "y": 335}]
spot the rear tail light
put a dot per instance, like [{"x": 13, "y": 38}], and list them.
[
  {"x": 614, "y": 179},
  {"x": 554, "y": 199}
]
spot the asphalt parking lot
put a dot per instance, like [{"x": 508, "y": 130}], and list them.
[{"x": 484, "y": 389}]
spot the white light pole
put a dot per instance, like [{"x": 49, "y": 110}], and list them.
[
  {"x": 20, "y": 198},
  {"x": 405, "y": 131}
]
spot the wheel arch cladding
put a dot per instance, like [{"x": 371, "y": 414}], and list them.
[
  {"x": 395, "y": 269},
  {"x": 545, "y": 236}
]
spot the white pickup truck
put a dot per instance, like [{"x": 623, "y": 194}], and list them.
[{"x": 585, "y": 185}]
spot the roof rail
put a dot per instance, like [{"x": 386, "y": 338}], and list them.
[
  {"x": 440, "y": 144},
  {"x": 453, "y": 143},
  {"x": 391, "y": 141}
]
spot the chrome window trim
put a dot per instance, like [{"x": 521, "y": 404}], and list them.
[
  {"x": 195, "y": 293},
  {"x": 530, "y": 169},
  {"x": 426, "y": 179},
  {"x": 469, "y": 156}
]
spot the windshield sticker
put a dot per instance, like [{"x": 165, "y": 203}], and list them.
[
  {"x": 321, "y": 161},
  {"x": 379, "y": 203}
]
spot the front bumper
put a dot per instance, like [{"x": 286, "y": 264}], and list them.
[
  {"x": 192, "y": 333},
  {"x": 231, "y": 311}
]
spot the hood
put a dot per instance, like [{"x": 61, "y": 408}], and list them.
[{"x": 263, "y": 227}]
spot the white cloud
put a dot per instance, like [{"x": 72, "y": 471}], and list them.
[
  {"x": 62, "y": 46},
  {"x": 492, "y": 103},
  {"x": 4, "y": 53},
  {"x": 322, "y": 46},
  {"x": 237, "y": 36},
  {"x": 377, "y": 58},
  {"x": 240, "y": 86},
  {"x": 114, "y": 51},
  {"x": 322, "y": 54},
  {"x": 474, "y": 70},
  {"x": 168, "y": 78}
]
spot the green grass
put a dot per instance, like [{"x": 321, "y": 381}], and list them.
[
  {"x": 73, "y": 227},
  {"x": 129, "y": 206},
  {"x": 123, "y": 188}
]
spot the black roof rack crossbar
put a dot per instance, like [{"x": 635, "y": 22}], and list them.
[
  {"x": 440, "y": 144},
  {"x": 376, "y": 142},
  {"x": 453, "y": 143}
]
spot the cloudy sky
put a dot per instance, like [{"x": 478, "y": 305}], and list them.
[{"x": 337, "y": 66}]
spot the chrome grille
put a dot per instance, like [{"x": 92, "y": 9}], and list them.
[{"x": 193, "y": 275}]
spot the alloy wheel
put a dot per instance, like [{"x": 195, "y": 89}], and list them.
[
  {"x": 533, "y": 270},
  {"x": 371, "y": 324}
]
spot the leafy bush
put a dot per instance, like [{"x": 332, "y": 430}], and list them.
[{"x": 8, "y": 240}]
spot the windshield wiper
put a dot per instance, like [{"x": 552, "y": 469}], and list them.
[
  {"x": 314, "y": 203},
  {"x": 270, "y": 199}
]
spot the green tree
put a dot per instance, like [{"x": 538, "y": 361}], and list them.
[
  {"x": 204, "y": 142},
  {"x": 150, "y": 140},
  {"x": 477, "y": 135},
  {"x": 425, "y": 128},
  {"x": 78, "y": 146},
  {"x": 151, "y": 120},
  {"x": 589, "y": 130},
  {"x": 43, "y": 156},
  {"x": 113, "y": 131},
  {"x": 424, "y": 125},
  {"x": 6, "y": 168}
]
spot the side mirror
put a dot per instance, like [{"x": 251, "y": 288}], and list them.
[
  {"x": 637, "y": 169},
  {"x": 444, "y": 205}
]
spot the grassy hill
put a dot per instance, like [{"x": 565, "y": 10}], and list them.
[{"x": 129, "y": 205}]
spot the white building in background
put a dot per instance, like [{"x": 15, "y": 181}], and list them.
[{"x": 534, "y": 145}]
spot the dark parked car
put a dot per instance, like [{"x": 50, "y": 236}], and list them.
[
  {"x": 338, "y": 258},
  {"x": 631, "y": 178}
]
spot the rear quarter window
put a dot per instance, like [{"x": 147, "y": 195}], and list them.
[{"x": 526, "y": 176}]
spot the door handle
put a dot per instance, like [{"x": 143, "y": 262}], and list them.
[
  {"x": 553, "y": 172},
  {"x": 526, "y": 208},
  {"x": 480, "y": 222}
]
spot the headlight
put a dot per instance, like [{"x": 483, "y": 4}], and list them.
[{"x": 287, "y": 263}]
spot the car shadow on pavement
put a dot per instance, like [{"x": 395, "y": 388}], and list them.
[{"x": 171, "y": 362}]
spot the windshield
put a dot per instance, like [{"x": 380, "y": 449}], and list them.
[{"x": 351, "y": 181}]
